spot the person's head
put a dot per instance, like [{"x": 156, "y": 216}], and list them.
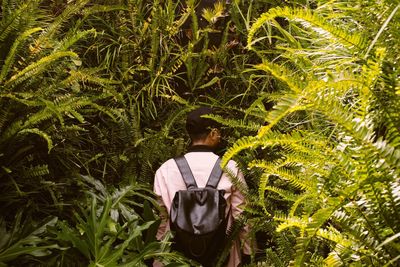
[{"x": 203, "y": 131}]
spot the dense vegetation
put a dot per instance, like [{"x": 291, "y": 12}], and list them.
[{"x": 93, "y": 96}]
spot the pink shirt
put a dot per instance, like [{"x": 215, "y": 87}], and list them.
[{"x": 168, "y": 181}]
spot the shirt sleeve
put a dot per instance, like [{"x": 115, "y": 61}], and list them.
[
  {"x": 163, "y": 228},
  {"x": 238, "y": 201}
]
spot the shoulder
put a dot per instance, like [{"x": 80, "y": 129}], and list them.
[
  {"x": 232, "y": 165},
  {"x": 232, "y": 168},
  {"x": 167, "y": 165}
]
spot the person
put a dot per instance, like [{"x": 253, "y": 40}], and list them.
[{"x": 205, "y": 137}]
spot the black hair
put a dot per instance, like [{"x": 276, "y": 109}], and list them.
[{"x": 199, "y": 136}]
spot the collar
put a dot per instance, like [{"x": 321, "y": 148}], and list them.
[{"x": 200, "y": 148}]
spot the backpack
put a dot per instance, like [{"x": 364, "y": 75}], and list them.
[{"x": 197, "y": 216}]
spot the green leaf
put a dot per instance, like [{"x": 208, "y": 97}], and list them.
[{"x": 40, "y": 133}]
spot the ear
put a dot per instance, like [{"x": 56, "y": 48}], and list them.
[{"x": 215, "y": 134}]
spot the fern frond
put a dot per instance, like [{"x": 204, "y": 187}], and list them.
[
  {"x": 108, "y": 112},
  {"x": 302, "y": 245},
  {"x": 288, "y": 105},
  {"x": 268, "y": 138},
  {"x": 273, "y": 260},
  {"x": 286, "y": 174},
  {"x": 40, "y": 133},
  {"x": 14, "y": 50},
  {"x": 392, "y": 135},
  {"x": 67, "y": 42},
  {"x": 289, "y": 222},
  {"x": 11, "y": 130},
  {"x": 371, "y": 202},
  {"x": 389, "y": 240},
  {"x": 318, "y": 219},
  {"x": 58, "y": 108},
  {"x": 283, "y": 74},
  {"x": 9, "y": 24},
  {"x": 235, "y": 123},
  {"x": 36, "y": 171},
  {"x": 300, "y": 199},
  {"x": 37, "y": 67},
  {"x": 49, "y": 111},
  {"x": 257, "y": 108},
  {"x": 87, "y": 76},
  {"x": 54, "y": 27},
  {"x": 246, "y": 142},
  {"x": 310, "y": 21},
  {"x": 22, "y": 98},
  {"x": 343, "y": 116},
  {"x": 173, "y": 118},
  {"x": 388, "y": 153},
  {"x": 385, "y": 24},
  {"x": 354, "y": 227},
  {"x": 333, "y": 260},
  {"x": 102, "y": 8},
  {"x": 286, "y": 195},
  {"x": 369, "y": 75}
]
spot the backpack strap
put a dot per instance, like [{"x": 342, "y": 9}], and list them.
[
  {"x": 186, "y": 172},
  {"x": 215, "y": 175}
]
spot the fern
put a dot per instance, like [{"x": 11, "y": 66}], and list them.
[
  {"x": 283, "y": 74},
  {"x": 87, "y": 76},
  {"x": 102, "y": 9},
  {"x": 10, "y": 23},
  {"x": 74, "y": 37},
  {"x": 41, "y": 134},
  {"x": 36, "y": 171},
  {"x": 21, "y": 98},
  {"x": 37, "y": 67},
  {"x": 337, "y": 177},
  {"x": 287, "y": 196},
  {"x": 288, "y": 222},
  {"x": 13, "y": 51},
  {"x": 311, "y": 21},
  {"x": 238, "y": 124},
  {"x": 55, "y": 26}
]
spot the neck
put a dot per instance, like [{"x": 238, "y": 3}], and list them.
[
  {"x": 200, "y": 148},
  {"x": 200, "y": 143},
  {"x": 205, "y": 143}
]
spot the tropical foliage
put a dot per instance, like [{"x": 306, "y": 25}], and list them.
[
  {"x": 93, "y": 96},
  {"x": 334, "y": 129}
]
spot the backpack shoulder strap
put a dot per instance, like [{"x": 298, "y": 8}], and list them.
[
  {"x": 215, "y": 175},
  {"x": 186, "y": 172}
]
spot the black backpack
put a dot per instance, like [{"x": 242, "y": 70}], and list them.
[{"x": 197, "y": 216}]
